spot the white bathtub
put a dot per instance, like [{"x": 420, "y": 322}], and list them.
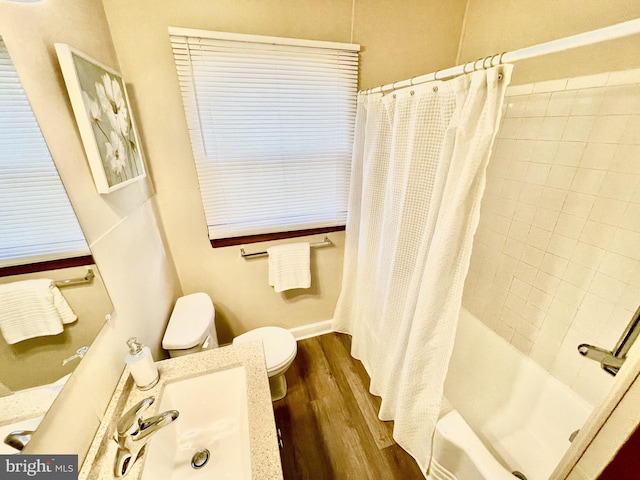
[{"x": 502, "y": 412}]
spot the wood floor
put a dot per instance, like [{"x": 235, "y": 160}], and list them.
[{"x": 329, "y": 421}]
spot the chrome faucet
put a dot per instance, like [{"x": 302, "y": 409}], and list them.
[
  {"x": 18, "y": 439},
  {"x": 133, "y": 433}
]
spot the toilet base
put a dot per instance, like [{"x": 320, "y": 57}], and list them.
[{"x": 278, "y": 387}]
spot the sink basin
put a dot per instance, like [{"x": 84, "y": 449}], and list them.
[{"x": 212, "y": 430}]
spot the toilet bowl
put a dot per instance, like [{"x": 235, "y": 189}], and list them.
[
  {"x": 280, "y": 350},
  {"x": 191, "y": 329}
]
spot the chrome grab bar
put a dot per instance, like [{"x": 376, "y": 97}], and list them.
[
  {"x": 607, "y": 359},
  {"x": 612, "y": 360}
]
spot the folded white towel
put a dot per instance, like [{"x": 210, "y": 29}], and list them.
[
  {"x": 289, "y": 266},
  {"x": 32, "y": 308}
]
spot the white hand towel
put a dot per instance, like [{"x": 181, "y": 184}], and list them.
[
  {"x": 289, "y": 266},
  {"x": 32, "y": 308}
]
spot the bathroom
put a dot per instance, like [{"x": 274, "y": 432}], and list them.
[{"x": 149, "y": 240}]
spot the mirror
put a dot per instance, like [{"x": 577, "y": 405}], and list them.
[
  {"x": 36, "y": 353},
  {"x": 43, "y": 360}
]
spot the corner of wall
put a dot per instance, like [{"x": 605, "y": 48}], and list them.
[{"x": 463, "y": 30}]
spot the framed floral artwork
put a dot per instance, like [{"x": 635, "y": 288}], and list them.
[{"x": 103, "y": 113}]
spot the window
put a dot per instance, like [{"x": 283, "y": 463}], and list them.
[
  {"x": 37, "y": 222},
  {"x": 271, "y": 122}
]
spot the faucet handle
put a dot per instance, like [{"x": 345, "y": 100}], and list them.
[{"x": 131, "y": 420}]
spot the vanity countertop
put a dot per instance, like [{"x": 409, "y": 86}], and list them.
[
  {"x": 29, "y": 403},
  {"x": 265, "y": 454}
]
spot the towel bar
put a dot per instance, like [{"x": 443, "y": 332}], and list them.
[
  {"x": 324, "y": 243},
  {"x": 76, "y": 281}
]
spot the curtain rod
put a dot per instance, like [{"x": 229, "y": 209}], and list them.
[{"x": 613, "y": 32}]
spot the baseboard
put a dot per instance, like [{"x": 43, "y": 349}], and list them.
[{"x": 312, "y": 330}]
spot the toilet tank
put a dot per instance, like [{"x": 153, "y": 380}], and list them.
[{"x": 191, "y": 327}]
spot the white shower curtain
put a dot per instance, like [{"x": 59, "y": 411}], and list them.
[{"x": 418, "y": 175}]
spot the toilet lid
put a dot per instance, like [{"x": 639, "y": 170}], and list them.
[
  {"x": 279, "y": 344},
  {"x": 190, "y": 322}
]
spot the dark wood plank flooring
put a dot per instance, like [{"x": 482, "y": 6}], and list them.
[{"x": 329, "y": 423}]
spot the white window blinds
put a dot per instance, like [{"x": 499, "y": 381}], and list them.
[
  {"x": 271, "y": 123},
  {"x": 37, "y": 222}
]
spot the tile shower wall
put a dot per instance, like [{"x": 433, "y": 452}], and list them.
[{"x": 556, "y": 258}]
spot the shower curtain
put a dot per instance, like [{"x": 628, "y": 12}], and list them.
[{"x": 418, "y": 174}]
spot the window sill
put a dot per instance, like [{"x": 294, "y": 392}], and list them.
[
  {"x": 266, "y": 237},
  {"x": 45, "y": 266}
]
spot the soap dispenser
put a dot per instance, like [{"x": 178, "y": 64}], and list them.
[{"x": 140, "y": 361}]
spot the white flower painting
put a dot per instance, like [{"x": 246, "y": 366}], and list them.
[{"x": 103, "y": 114}]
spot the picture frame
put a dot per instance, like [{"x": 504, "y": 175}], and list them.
[{"x": 105, "y": 120}]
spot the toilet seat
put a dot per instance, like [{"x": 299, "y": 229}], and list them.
[{"x": 279, "y": 345}]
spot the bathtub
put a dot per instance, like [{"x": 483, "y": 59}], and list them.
[{"x": 502, "y": 412}]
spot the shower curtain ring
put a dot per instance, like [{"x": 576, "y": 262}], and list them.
[
  {"x": 500, "y": 76},
  {"x": 393, "y": 89},
  {"x": 484, "y": 62},
  {"x": 475, "y": 64}
]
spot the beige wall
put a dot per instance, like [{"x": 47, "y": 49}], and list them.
[
  {"x": 401, "y": 40},
  {"x": 388, "y": 36},
  {"x": 122, "y": 228},
  {"x": 495, "y": 26},
  {"x": 619, "y": 426}
]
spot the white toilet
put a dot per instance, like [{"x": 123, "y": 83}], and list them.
[
  {"x": 280, "y": 350},
  {"x": 191, "y": 329}
]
